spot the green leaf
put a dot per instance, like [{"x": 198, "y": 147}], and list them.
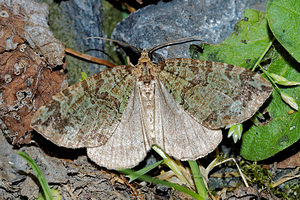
[
  {"x": 236, "y": 132},
  {"x": 284, "y": 21},
  {"x": 258, "y": 116},
  {"x": 283, "y": 129},
  {"x": 171, "y": 164},
  {"x": 244, "y": 46},
  {"x": 39, "y": 174},
  {"x": 83, "y": 76},
  {"x": 289, "y": 100},
  {"x": 198, "y": 180},
  {"x": 283, "y": 81},
  {"x": 54, "y": 193},
  {"x": 143, "y": 171}
]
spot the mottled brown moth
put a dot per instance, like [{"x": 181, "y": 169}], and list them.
[{"x": 179, "y": 104}]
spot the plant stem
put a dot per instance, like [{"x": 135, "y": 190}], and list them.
[
  {"x": 171, "y": 164},
  {"x": 263, "y": 54},
  {"x": 270, "y": 78}
]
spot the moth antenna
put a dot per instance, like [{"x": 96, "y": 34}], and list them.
[
  {"x": 102, "y": 38},
  {"x": 174, "y": 41}
]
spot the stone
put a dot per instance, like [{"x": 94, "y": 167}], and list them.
[{"x": 211, "y": 21}]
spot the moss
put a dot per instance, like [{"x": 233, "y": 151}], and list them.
[
  {"x": 291, "y": 191},
  {"x": 263, "y": 179},
  {"x": 59, "y": 23},
  {"x": 111, "y": 16},
  {"x": 257, "y": 174}
]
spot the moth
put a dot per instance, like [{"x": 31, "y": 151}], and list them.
[{"x": 179, "y": 105}]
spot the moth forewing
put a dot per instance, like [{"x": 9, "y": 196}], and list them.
[
  {"x": 216, "y": 94},
  {"x": 129, "y": 144},
  {"x": 86, "y": 114}
]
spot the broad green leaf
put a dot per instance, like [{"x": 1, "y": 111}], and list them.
[
  {"x": 284, "y": 21},
  {"x": 283, "y": 129},
  {"x": 244, "y": 46}
]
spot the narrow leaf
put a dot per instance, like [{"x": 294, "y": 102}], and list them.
[
  {"x": 236, "y": 132},
  {"x": 289, "y": 100},
  {"x": 39, "y": 174},
  {"x": 198, "y": 180},
  {"x": 283, "y": 81},
  {"x": 166, "y": 183},
  {"x": 143, "y": 171},
  {"x": 171, "y": 164}
]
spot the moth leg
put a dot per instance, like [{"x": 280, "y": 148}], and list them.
[{"x": 129, "y": 62}]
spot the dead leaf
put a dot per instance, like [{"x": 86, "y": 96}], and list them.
[
  {"x": 36, "y": 28},
  {"x": 11, "y": 30},
  {"x": 25, "y": 73},
  {"x": 291, "y": 162}
]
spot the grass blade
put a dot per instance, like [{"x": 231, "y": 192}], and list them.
[
  {"x": 137, "y": 174},
  {"x": 171, "y": 164},
  {"x": 39, "y": 174},
  {"x": 198, "y": 180},
  {"x": 166, "y": 183}
]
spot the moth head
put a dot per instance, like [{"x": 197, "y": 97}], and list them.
[{"x": 144, "y": 57}]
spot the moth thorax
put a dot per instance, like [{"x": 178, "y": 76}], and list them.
[
  {"x": 145, "y": 72},
  {"x": 145, "y": 69},
  {"x": 148, "y": 101}
]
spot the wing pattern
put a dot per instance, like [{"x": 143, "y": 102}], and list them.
[
  {"x": 129, "y": 144},
  {"x": 216, "y": 94},
  {"x": 178, "y": 133},
  {"x": 112, "y": 113},
  {"x": 86, "y": 114}
]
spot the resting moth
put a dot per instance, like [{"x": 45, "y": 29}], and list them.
[{"x": 179, "y": 104}]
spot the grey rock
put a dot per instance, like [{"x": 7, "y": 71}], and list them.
[
  {"x": 30, "y": 189},
  {"x": 53, "y": 168},
  {"x": 14, "y": 170},
  {"x": 85, "y": 20},
  {"x": 10, "y": 162},
  {"x": 211, "y": 20}
]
